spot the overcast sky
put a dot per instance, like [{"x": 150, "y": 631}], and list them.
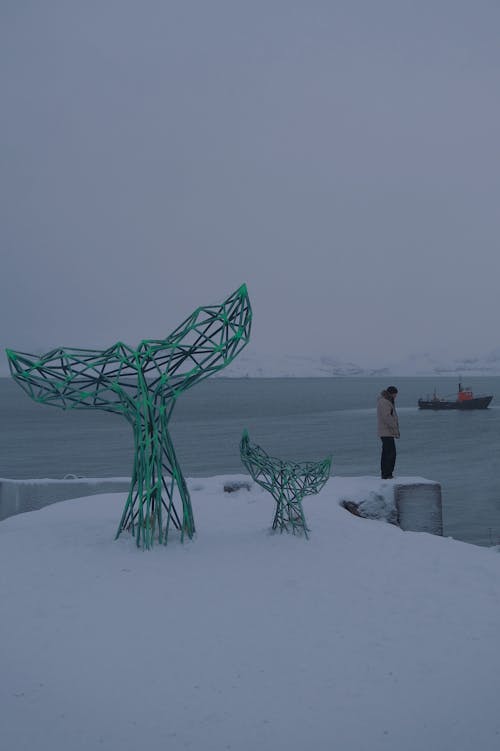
[{"x": 341, "y": 158}]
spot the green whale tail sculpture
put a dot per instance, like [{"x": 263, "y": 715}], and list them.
[
  {"x": 288, "y": 483},
  {"x": 143, "y": 385}
]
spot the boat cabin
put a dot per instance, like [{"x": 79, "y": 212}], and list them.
[{"x": 464, "y": 395}]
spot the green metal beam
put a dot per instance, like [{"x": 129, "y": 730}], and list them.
[
  {"x": 143, "y": 385},
  {"x": 288, "y": 483}
]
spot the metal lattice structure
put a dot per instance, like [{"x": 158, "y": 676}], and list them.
[
  {"x": 143, "y": 385},
  {"x": 288, "y": 482}
]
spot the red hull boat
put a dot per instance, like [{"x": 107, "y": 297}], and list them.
[{"x": 465, "y": 399}]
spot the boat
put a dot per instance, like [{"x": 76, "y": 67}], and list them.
[{"x": 465, "y": 399}]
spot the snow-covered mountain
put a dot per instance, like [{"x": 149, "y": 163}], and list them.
[
  {"x": 431, "y": 364},
  {"x": 290, "y": 366},
  {"x": 253, "y": 365}
]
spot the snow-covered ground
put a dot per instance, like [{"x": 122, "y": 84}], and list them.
[{"x": 361, "y": 638}]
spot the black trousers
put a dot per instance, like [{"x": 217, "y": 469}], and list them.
[{"x": 388, "y": 458}]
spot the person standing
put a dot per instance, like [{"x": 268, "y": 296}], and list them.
[{"x": 388, "y": 430}]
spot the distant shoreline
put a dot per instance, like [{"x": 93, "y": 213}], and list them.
[{"x": 383, "y": 376}]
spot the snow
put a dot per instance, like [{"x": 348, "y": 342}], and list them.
[
  {"x": 363, "y": 637},
  {"x": 374, "y": 497}
]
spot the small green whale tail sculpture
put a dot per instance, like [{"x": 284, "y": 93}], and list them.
[
  {"x": 288, "y": 482},
  {"x": 143, "y": 385}
]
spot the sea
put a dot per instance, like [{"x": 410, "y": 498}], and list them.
[{"x": 291, "y": 418}]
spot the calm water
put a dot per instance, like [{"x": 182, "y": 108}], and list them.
[{"x": 294, "y": 418}]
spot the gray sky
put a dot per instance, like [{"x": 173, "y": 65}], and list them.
[{"x": 341, "y": 158}]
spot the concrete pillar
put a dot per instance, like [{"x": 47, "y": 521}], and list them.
[{"x": 419, "y": 507}]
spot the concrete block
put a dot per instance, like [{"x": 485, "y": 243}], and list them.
[
  {"x": 419, "y": 507},
  {"x": 19, "y": 496}
]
